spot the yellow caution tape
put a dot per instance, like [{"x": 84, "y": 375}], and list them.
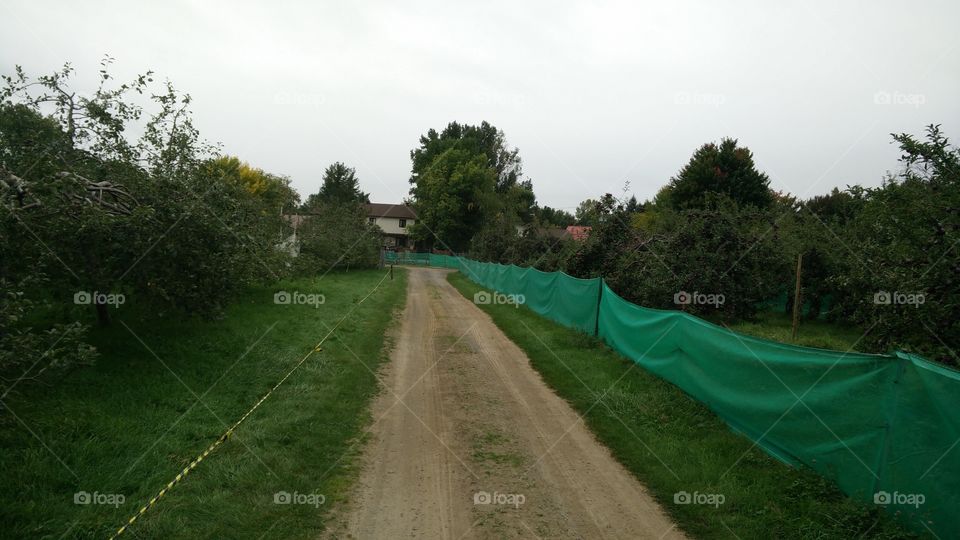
[{"x": 226, "y": 435}]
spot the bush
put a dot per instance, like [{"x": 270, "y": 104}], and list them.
[
  {"x": 723, "y": 261},
  {"x": 85, "y": 209},
  {"x": 26, "y": 351},
  {"x": 907, "y": 240},
  {"x": 338, "y": 236}
]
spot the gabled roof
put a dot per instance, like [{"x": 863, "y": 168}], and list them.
[{"x": 401, "y": 211}]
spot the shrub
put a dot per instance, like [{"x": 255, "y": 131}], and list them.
[
  {"x": 907, "y": 240},
  {"x": 722, "y": 260},
  {"x": 338, "y": 236}
]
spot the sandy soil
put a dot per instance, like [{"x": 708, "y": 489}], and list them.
[{"x": 468, "y": 442}]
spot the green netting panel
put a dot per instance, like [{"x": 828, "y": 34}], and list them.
[
  {"x": 404, "y": 257},
  {"x": 514, "y": 279},
  {"x": 923, "y": 451},
  {"x": 489, "y": 274},
  {"x": 555, "y": 295},
  {"x": 498, "y": 278},
  {"x": 441, "y": 261},
  {"x": 574, "y": 302},
  {"x": 538, "y": 290},
  {"x": 871, "y": 423}
]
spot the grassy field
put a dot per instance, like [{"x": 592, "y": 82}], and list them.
[
  {"x": 776, "y": 326},
  {"x": 644, "y": 420},
  {"x": 165, "y": 389}
]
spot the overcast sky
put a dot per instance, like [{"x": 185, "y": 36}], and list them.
[{"x": 593, "y": 96}]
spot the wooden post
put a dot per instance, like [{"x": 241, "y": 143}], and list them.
[
  {"x": 596, "y": 326},
  {"x": 391, "y": 271},
  {"x": 797, "y": 301}
]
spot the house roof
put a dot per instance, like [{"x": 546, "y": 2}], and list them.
[
  {"x": 390, "y": 210},
  {"x": 579, "y": 232}
]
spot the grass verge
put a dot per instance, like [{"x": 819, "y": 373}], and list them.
[
  {"x": 820, "y": 334},
  {"x": 164, "y": 390},
  {"x": 673, "y": 444}
]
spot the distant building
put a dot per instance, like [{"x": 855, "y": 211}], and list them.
[
  {"x": 573, "y": 232},
  {"x": 579, "y": 232},
  {"x": 395, "y": 221}
]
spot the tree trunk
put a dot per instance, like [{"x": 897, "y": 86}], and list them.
[
  {"x": 103, "y": 313},
  {"x": 797, "y": 298}
]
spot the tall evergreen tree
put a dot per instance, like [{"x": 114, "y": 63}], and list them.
[
  {"x": 340, "y": 186},
  {"x": 726, "y": 169}
]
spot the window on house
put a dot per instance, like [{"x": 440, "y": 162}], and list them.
[
  {"x": 372, "y": 220},
  {"x": 403, "y": 223}
]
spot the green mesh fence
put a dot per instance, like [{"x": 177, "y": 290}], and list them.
[
  {"x": 565, "y": 299},
  {"x": 882, "y": 427},
  {"x": 885, "y": 428},
  {"x": 406, "y": 257}
]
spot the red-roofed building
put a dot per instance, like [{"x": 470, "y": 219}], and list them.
[{"x": 579, "y": 232}]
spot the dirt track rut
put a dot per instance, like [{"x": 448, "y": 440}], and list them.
[{"x": 468, "y": 442}]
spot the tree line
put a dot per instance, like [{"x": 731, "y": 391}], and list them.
[
  {"x": 113, "y": 198},
  {"x": 115, "y": 194},
  {"x": 884, "y": 258}
]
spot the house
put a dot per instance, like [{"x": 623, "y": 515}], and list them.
[
  {"x": 579, "y": 232},
  {"x": 395, "y": 221}
]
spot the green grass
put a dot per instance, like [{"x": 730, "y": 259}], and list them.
[
  {"x": 672, "y": 443},
  {"x": 777, "y": 326},
  {"x": 130, "y": 423}
]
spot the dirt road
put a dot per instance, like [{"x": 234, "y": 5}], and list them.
[{"x": 468, "y": 442}]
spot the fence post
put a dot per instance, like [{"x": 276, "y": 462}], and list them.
[
  {"x": 796, "y": 298},
  {"x": 391, "y": 271},
  {"x": 596, "y": 326}
]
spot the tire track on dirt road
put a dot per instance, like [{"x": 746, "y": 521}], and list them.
[{"x": 469, "y": 442}]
